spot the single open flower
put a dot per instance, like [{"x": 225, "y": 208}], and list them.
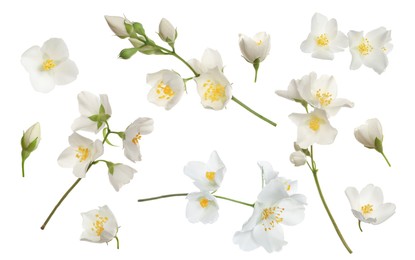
[
  {"x": 313, "y": 128},
  {"x": 132, "y": 137},
  {"x": 273, "y": 207},
  {"x": 214, "y": 89},
  {"x": 49, "y": 65},
  {"x": 255, "y": 49},
  {"x": 80, "y": 154},
  {"x": 324, "y": 39},
  {"x": 207, "y": 176},
  {"x": 202, "y": 207},
  {"x": 370, "y": 49},
  {"x": 367, "y": 206},
  {"x": 120, "y": 174},
  {"x": 94, "y": 110},
  {"x": 100, "y": 225},
  {"x": 29, "y": 142},
  {"x": 117, "y": 24},
  {"x": 167, "y": 88},
  {"x": 167, "y": 32},
  {"x": 211, "y": 59},
  {"x": 322, "y": 93},
  {"x": 370, "y": 134}
]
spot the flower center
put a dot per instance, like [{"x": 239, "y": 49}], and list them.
[
  {"x": 98, "y": 225},
  {"x": 164, "y": 91},
  {"x": 271, "y": 217},
  {"x": 210, "y": 176},
  {"x": 364, "y": 47},
  {"x": 322, "y": 40},
  {"x": 82, "y": 154},
  {"x": 204, "y": 202},
  {"x": 259, "y": 42},
  {"x": 314, "y": 123},
  {"x": 366, "y": 209},
  {"x": 136, "y": 138},
  {"x": 48, "y": 64},
  {"x": 214, "y": 91},
  {"x": 324, "y": 98},
  {"x": 288, "y": 187}
]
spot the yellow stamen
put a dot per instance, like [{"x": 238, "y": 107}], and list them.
[
  {"x": 82, "y": 154},
  {"x": 324, "y": 98},
  {"x": 322, "y": 40},
  {"x": 214, "y": 91},
  {"x": 98, "y": 225},
  {"x": 259, "y": 42},
  {"x": 314, "y": 123},
  {"x": 288, "y": 187},
  {"x": 136, "y": 138},
  {"x": 164, "y": 91},
  {"x": 271, "y": 217},
  {"x": 210, "y": 176},
  {"x": 48, "y": 64},
  {"x": 366, "y": 209},
  {"x": 364, "y": 47},
  {"x": 204, "y": 202}
]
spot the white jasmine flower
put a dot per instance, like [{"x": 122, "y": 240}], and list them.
[
  {"x": 94, "y": 112},
  {"x": 324, "y": 39},
  {"x": 117, "y": 24},
  {"x": 202, "y": 207},
  {"x": 273, "y": 207},
  {"x": 298, "y": 158},
  {"x": 80, "y": 154},
  {"x": 322, "y": 93},
  {"x": 49, "y": 65},
  {"x": 100, "y": 225},
  {"x": 313, "y": 128},
  {"x": 370, "y": 49},
  {"x": 133, "y": 134},
  {"x": 214, "y": 89},
  {"x": 211, "y": 59},
  {"x": 167, "y": 88},
  {"x": 167, "y": 32},
  {"x": 207, "y": 176},
  {"x": 367, "y": 206},
  {"x": 120, "y": 174}
]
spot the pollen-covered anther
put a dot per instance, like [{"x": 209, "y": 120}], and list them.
[
  {"x": 48, "y": 65},
  {"x": 364, "y": 47},
  {"x": 164, "y": 91},
  {"x": 98, "y": 224},
  {"x": 314, "y": 123},
  {"x": 366, "y": 209},
  {"x": 322, "y": 40},
  {"x": 204, "y": 202},
  {"x": 82, "y": 154},
  {"x": 213, "y": 91},
  {"x": 136, "y": 138},
  {"x": 324, "y": 98}
]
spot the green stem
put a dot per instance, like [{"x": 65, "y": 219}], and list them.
[
  {"x": 253, "y": 112},
  {"x": 59, "y": 202},
  {"x": 358, "y": 223},
  {"x": 185, "y": 194},
  {"x": 386, "y": 159},
  {"x": 185, "y": 62},
  {"x": 23, "y": 161},
  {"x": 118, "y": 242},
  {"x": 256, "y": 67}
]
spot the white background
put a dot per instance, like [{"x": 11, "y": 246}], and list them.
[{"x": 159, "y": 229}]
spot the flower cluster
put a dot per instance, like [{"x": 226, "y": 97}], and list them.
[{"x": 325, "y": 39}]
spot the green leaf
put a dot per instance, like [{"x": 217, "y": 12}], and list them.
[
  {"x": 110, "y": 166},
  {"x": 378, "y": 145},
  {"x": 150, "y": 50},
  {"x": 32, "y": 146},
  {"x": 99, "y": 124},
  {"x": 138, "y": 28},
  {"x": 306, "y": 152},
  {"x": 127, "y": 53},
  {"x": 121, "y": 135}
]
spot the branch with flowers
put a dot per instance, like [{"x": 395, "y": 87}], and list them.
[{"x": 168, "y": 86}]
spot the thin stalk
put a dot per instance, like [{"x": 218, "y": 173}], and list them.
[
  {"x": 358, "y": 223},
  {"x": 253, "y": 112},
  {"x": 118, "y": 242},
  {"x": 386, "y": 159},
  {"x": 23, "y": 161},
  {"x": 236, "y": 201}
]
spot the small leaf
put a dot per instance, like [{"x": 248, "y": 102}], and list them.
[
  {"x": 138, "y": 28},
  {"x": 127, "y": 53}
]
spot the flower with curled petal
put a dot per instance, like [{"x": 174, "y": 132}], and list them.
[
  {"x": 167, "y": 88},
  {"x": 132, "y": 137},
  {"x": 100, "y": 225}
]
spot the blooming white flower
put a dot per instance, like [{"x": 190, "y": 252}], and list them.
[
  {"x": 322, "y": 93},
  {"x": 370, "y": 49},
  {"x": 324, "y": 39},
  {"x": 49, "y": 65},
  {"x": 167, "y": 32},
  {"x": 292, "y": 91},
  {"x": 118, "y": 24},
  {"x": 298, "y": 158},
  {"x": 120, "y": 174},
  {"x": 367, "y": 206},
  {"x": 31, "y": 138},
  {"x": 202, "y": 207},
  {"x": 94, "y": 112},
  {"x": 167, "y": 88},
  {"x": 132, "y": 137},
  {"x": 368, "y": 132},
  {"x": 255, "y": 49},
  {"x": 313, "y": 128},
  {"x": 80, "y": 154},
  {"x": 207, "y": 176},
  {"x": 274, "y": 207},
  {"x": 210, "y": 59},
  {"x": 214, "y": 89},
  {"x": 100, "y": 225}
]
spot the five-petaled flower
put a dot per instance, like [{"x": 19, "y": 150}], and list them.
[
  {"x": 207, "y": 177},
  {"x": 370, "y": 49},
  {"x": 100, "y": 225},
  {"x": 132, "y": 137},
  {"x": 324, "y": 39},
  {"x": 167, "y": 88},
  {"x": 202, "y": 207},
  {"x": 367, "y": 206},
  {"x": 49, "y": 65},
  {"x": 80, "y": 154}
]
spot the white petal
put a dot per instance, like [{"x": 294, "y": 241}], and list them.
[
  {"x": 55, "y": 49},
  {"x": 32, "y": 59},
  {"x": 336, "y": 104},
  {"x": 356, "y": 60},
  {"x": 88, "y": 104},
  {"x": 331, "y": 28},
  {"x": 272, "y": 193},
  {"x": 65, "y": 72},
  {"x": 371, "y": 195},
  {"x": 293, "y": 213},
  {"x": 340, "y": 42},
  {"x": 378, "y": 37},
  {"x": 79, "y": 170},
  {"x": 374, "y": 129},
  {"x": 245, "y": 240},
  {"x": 327, "y": 134},
  {"x": 272, "y": 240},
  {"x": 377, "y": 60},
  {"x": 97, "y": 150},
  {"x": 267, "y": 171},
  {"x": 318, "y": 24},
  {"x": 42, "y": 81},
  {"x": 384, "y": 211},
  {"x": 308, "y": 44},
  {"x": 105, "y": 103},
  {"x": 84, "y": 123},
  {"x": 67, "y": 158},
  {"x": 196, "y": 213},
  {"x": 122, "y": 175},
  {"x": 143, "y": 125},
  {"x": 360, "y": 217},
  {"x": 292, "y": 91},
  {"x": 353, "y": 197},
  {"x": 211, "y": 59},
  {"x": 355, "y": 38},
  {"x": 132, "y": 151},
  {"x": 76, "y": 140},
  {"x": 197, "y": 66},
  {"x": 324, "y": 54},
  {"x": 215, "y": 164}
]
